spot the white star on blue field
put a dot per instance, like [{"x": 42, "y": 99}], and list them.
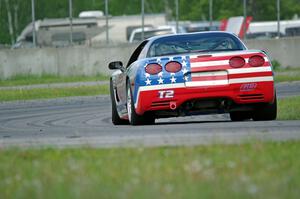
[{"x": 164, "y": 77}]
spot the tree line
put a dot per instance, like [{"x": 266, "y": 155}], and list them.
[{"x": 16, "y": 14}]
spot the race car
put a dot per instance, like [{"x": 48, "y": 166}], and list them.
[{"x": 191, "y": 74}]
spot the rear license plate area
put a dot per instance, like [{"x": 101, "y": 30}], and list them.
[{"x": 208, "y": 78}]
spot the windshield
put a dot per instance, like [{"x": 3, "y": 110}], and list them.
[{"x": 208, "y": 42}]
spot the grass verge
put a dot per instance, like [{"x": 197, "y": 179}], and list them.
[
  {"x": 47, "y": 79},
  {"x": 281, "y": 75},
  {"x": 289, "y": 108},
  {"x": 46, "y": 93},
  {"x": 287, "y": 75},
  {"x": 256, "y": 170}
]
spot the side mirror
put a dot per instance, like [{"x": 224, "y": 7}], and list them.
[{"x": 116, "y": 65}]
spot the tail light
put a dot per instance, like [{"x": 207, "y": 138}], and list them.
[
  {"x": 237, "y": 62},
  {"x": 173, "y": 67},
  {"x": 256, "y": 61},
  {"x": 153, "y": 69}
]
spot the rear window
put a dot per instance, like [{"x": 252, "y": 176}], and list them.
[{"x": 208, "y": 42}]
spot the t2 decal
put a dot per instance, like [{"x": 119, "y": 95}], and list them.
[{"x": 166, "y": 94}]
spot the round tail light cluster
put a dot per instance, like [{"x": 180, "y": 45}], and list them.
[
  {"x": 237, "y": 62},
  {"x": 256, "y": 61},
  {"x": 173, "y": 67},
  {"x": 153, "y": 69}
]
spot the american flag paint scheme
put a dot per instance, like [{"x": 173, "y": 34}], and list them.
[{"x": 199, "y": 73}]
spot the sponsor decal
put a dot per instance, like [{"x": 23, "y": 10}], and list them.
[{"x": 248, "y": 87}]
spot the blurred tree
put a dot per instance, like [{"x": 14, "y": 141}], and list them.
[{"x": 10, "y": 22}]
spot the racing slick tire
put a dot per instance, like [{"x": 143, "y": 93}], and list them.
[
  {"x": 265, "y": 112},
  {"x": 133, "y": 117},
  {"x": 116, "y": 120},
  {"x": 240, "y": 115}
]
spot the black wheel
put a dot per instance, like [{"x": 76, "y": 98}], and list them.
[
  {"x": 133, "y": 117},
  {"x": 240, "y": 115},
  {"x": 116, "y": 120},
  {"x": 265, "y": 112}
]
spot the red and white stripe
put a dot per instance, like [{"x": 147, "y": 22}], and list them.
[{"x": 215, "y": 70}]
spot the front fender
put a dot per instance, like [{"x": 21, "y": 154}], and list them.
[{"x": 114, "y": 76}]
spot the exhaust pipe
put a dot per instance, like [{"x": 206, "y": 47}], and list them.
[
  {"x": 223, "y": 104},
  {"x": 173, "y": 105}
]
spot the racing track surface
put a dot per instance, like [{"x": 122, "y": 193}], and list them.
[{"x": 86, "y": 121}]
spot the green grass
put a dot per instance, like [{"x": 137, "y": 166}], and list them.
[
  {"x": 256, "y": 170},
  {"x": 289, "y": 108},
  {"x": 45, "y": 93},
  {"x": 47, "y": 79},
  {"x": 282, "y": 75},
  {"x": 287, "y": 75}
]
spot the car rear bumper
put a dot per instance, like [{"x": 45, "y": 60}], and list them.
[{"x": 172, "y": 96}]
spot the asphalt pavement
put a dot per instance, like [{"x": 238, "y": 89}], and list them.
[{"x": 86, "y": 121}]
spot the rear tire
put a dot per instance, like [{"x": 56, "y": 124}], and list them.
[
  {"x": 116, "y": 120},
  {"x": 240, "y": 116},
  {"x": 134, "y": 118},
  {"x": 266, "y": 112}
]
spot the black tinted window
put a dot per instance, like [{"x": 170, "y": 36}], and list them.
[{"x": 207, "y": 42}]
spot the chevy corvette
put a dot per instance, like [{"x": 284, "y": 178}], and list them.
[{"x": 192, "y": 74}]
